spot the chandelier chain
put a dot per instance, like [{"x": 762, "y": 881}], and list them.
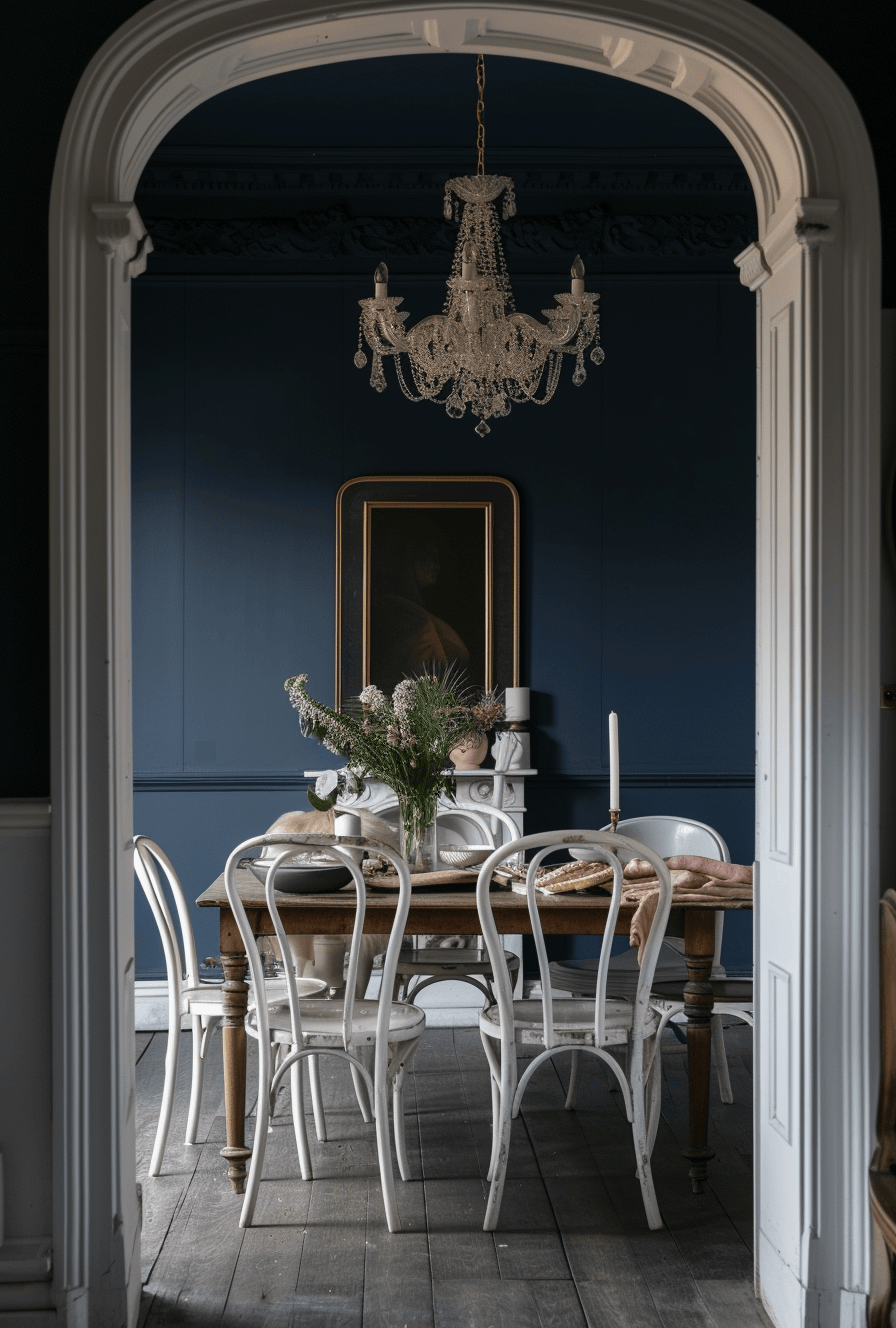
[{"x": 480, "y": 111}]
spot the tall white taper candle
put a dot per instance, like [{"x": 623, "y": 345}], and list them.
[{"x": 614, "y": 760}]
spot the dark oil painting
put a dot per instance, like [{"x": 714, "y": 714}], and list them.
[{"x": 428, "y": 591}]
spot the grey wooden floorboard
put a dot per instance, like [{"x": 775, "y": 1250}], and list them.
[
  {"x": 446, "y": 1140},
  {"x": 192, "y": 1276},
  {"x": 504, "y": 1304},
  {"x": 263, "y": 1287},
  {"x": 330, "y": 1287},
  {"x": 397, "y": 1274},
  {"x": 730, "y": 1174},
  {"x": 477, "y": 1095},
  {"x": 572, "y": 1248},
  {"x": 436, "y": 1052}
]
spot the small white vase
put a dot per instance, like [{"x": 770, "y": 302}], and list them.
[{"x": 469, "y": 755}]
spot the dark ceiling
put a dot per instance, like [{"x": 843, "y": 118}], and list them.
[{"x": 430, "y": 101}]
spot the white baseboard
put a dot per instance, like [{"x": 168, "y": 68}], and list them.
[{"x": 151, "y": 1007}]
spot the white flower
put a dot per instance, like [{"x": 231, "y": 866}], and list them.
[
  {"x": 403, "y": 697},
  {"x": 372, "y": 698}
]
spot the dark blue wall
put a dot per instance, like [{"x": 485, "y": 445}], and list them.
[{"x": 637, "y": 499}]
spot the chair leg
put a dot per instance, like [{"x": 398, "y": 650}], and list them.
[
  {"x": 501, "y": 1144},
  {"x": 575, "y": 1069},
  {"x": 640, "y": 1138},
  {"x": 494, "y": 1079},
  {"x": 196, "y": 1081},
  {"x": 262, "y": 1118},
  {"x": 361, "y": 1090},
  {"x": 408, "y": 1051},
  {"x": 654, "y": 1097},
  {"x": 171, "y": 1051},
  {"x": 383, "y": 1142},
  {"x": 317, "y": 1101},
  {"x": 718, "y": 1051},
  {"x": 298, "y": 1114}
]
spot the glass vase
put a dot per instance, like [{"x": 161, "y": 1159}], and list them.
[{"x": 417, "y": 827}]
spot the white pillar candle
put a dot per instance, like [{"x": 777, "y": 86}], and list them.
[
  {"x": 345, "y": 824},
  {"x": 614, "y": 761},
  {"x": 516, "y": 704}
]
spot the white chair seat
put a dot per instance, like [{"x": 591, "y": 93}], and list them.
[
  {"x": 276, "y": 994},
  {"x": 573, "y": 1022},
  {"x": 323, "y": 1019},
  {"x": 423, "y": 962},
  {"x": 206, "y": 1000}
]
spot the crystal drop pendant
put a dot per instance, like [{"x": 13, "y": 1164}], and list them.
[
  {"x": 597, "y": 355},
  {"x": 482, "y": 428},
  {"x": 360, "y": 359},
  {"x": 455, "y": 407},
  {"x": 579, "y": 376}
]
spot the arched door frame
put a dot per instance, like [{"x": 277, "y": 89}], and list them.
[{"x": 815, "y": 270}]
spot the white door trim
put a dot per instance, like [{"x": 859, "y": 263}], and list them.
[{"x": 802, "y": 140}]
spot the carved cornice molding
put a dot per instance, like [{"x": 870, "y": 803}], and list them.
[
  {"x": 121, "y": 234},
  {"x": 335, "y": 235},
  {"x": 281, "y": 173}
]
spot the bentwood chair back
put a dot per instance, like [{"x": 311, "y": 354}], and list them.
[
  {"x": 591, "y": 1026},
  {"x": 203, "y": 1002},
  {"x": 341, "y": 1028},
  {"x": 424, "y": 967},
  {"x": 670, "y": 836}
]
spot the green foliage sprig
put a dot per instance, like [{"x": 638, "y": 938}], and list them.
[{"x": 404, "y": 740}]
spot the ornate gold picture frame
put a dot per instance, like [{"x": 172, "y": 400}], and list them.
[{"x": 427, "y": 571}]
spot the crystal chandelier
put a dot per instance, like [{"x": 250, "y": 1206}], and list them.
[{"x": 479, "y": 352}]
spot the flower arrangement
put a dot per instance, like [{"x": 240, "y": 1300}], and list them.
[{"x": 403, "y": 740}]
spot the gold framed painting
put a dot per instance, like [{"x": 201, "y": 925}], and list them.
[{"x": 427, "y": 573}]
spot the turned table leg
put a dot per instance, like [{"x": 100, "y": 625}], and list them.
[
  {"x": 233, "y": 1034},
  {"x": 699, "y": 944}
]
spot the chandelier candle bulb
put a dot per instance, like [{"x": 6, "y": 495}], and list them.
[
  {"x": 468, "y": 263},
  {"x": 577, "y": 272},
  {"x": 381, "y": 282},
  {"x": 516, "y": 704}
]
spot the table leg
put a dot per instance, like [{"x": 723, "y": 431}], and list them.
[
  {"x": 699, "y": 945},
  {"x": 233, "y": 1035}
]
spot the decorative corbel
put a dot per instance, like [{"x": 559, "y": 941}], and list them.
[
  {"x": 753, "y": 268},
  {"x": 120, "y": 233}
]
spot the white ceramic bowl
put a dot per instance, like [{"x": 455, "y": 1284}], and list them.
[{"x": 464, "y": 855}]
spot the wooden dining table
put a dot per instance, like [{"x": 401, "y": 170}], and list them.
[{"x": 446, "y": 912}]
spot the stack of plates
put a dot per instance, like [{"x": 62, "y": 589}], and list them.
[{"x": 580, "y": 975}]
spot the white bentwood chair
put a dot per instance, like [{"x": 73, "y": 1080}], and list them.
[
  {"x": 201, "y": 1001},
  {"x": 669, "y": 836},
  {"x": 591, "y": 1026},
  {"x": 340, "y": 1028},
  {"x": 421, "y": 968}
]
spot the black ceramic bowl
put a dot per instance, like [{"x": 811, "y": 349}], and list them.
[{"x": 301, "y": 878}]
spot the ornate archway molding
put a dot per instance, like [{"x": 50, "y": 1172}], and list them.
[{"x": 815, "y": 270}]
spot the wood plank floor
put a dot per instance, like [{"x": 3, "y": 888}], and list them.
[{"x": 572, "y": 1249}]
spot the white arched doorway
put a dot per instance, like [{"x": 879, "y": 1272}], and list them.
[{"x": 815, "y": 269}]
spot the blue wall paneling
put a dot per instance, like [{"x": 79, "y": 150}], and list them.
[{"x": 637, "y": 498}]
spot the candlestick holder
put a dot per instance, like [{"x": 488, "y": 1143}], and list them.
[{"x": 614, "y": 819}]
